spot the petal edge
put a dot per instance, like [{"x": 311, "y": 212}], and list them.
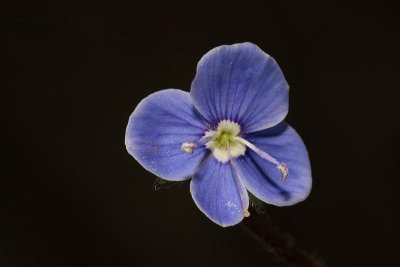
[
  {"x": 156, "y": 130},
  {"x": 242, "y": 83},
  {"x": 218, "y": 194}
]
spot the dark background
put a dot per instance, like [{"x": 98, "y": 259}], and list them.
[{"x": 73, "y": 73}]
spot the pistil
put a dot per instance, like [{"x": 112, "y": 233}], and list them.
[
  {"x": 224, "y": 143},
  {"x": 238, "y": 180}
]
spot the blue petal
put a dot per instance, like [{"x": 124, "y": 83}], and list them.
[
  {"x": 241, "y": 83},
  {"x": 262, "y": 178},
  {"x": 218, "y": 193},
  {"x": 156, "y": 130}
]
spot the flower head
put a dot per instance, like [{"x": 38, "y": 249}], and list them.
[{"x": 227, "y": 135}]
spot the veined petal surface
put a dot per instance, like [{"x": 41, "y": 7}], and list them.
[
  {"x": 240, "y": 83},
  {"x": 262, "y": 178},
  {"x": 218, "y": 193},
  {"x": 156, "y": 130}
]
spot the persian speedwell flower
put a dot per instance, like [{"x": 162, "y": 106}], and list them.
[{"x": 227, "y": 135}]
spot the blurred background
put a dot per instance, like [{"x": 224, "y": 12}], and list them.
[{"x": 73, "y": 73}]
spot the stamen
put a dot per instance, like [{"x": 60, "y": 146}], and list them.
[
  {"x": 281, "y": 166},
  {"x": 189, "y": 146}
]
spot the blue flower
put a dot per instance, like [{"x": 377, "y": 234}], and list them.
[{"x": 227, "y": 135}]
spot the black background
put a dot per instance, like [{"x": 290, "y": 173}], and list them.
[{"x": 73, "y": 73}]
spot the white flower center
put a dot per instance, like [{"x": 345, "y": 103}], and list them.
[{"x": 226, "y": 143}]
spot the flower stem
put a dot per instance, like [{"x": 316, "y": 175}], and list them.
[{"x": 278, "y": 243}]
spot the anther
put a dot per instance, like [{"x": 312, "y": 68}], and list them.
[
  {"x": 188, "y": 147},
  {"x": 283, "y": 169}
]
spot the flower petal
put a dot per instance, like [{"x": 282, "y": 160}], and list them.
[
  {"x": 262, "y": 178},
  {"x": 156, "y": 130},
  {"x": 240, "y": 83},
  {"x": 218, "y": 193}
]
